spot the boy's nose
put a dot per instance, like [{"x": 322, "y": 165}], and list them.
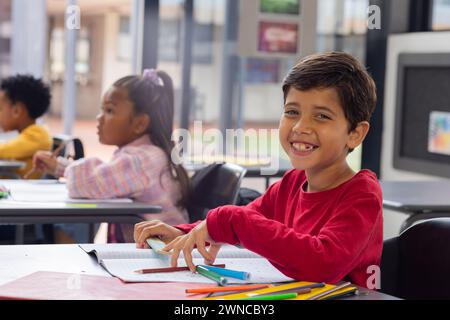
[{"x": 302, "y": 126}]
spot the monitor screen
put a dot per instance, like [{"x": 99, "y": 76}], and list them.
[{"x": 422, "y": 139}]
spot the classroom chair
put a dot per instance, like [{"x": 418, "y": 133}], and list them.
[
  {"x": 416, "y": 264},
  {"x": 70, "y": 142},
  {"x": 72, "y": 148},
  {"x": 213, "y": 186}
]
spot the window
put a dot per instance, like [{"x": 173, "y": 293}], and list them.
[
  {"x": 341, "y": 25},
  {"x": 169, "y": 44},
  {"x": 124, "y": 39},
  {"x": 5, "y": 37},
  {"x": 57, "y": 55},
  {"x": 441, "y": 15}
]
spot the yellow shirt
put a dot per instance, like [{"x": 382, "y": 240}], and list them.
[{"x": 23, "y": 147}]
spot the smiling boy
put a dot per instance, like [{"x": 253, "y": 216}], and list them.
[{"x": 322, "y": 221}]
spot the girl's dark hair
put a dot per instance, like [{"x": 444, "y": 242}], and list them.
[{"x": 155, "y": 99}]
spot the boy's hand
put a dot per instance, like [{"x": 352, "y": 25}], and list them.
[
  {"x": 44, "y": 161},
  {"x": 186, "y": 243},
  {"x": 154, "y": 228}
]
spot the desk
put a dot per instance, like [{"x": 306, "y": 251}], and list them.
[
  {"x": 19, "y": 261},
  {"x": 419, "y": 199},
  {"x": 7, "y": 167},
  {"x": 253, "y": 171},
  {"x": 60, "y": 211}
]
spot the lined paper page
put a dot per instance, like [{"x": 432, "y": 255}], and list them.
[
  {"x": 117, "y": 251},
  {"x": 129, "y": 251},
  {"x": 261, "y": 271}
]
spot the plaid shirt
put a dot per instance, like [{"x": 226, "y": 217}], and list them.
[{"x": 138, "y": 170}]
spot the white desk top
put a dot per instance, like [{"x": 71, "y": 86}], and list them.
[
  {"x": 21, "y": 260},
  {"x": 47, "y": 201}
]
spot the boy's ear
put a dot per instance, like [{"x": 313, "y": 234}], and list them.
[
  {"x": 141, "y": 123},
  {"x": 358, "y": 134},
  {"x": 18, "y": 109}
]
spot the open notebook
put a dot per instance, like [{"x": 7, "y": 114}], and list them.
[{"x": 121, "y": 260}]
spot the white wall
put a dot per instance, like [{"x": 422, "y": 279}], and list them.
[{"x": 401, "y": 43}]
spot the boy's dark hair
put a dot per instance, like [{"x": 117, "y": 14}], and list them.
[
  {"x": 157, "y": 101},
  {"x": 30, "y": 91},
  {"x": 354, "y": 86}
]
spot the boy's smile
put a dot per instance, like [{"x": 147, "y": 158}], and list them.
[
  {"x": 302, "y": 147},
  {"x": 313, "y": 129}
]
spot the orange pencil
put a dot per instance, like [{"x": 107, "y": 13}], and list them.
[{"x": 228, "y": 288}]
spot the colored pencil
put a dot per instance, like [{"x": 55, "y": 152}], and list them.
[
  {"x": 228, "y": 288},
  {"x": 156, "y": 244},
  {"x": 221, "y": 281},
  {"x": 168, "y": 269},
  {"x": 327, "y": 292},
  {"x": 229, "y": 273},
  {"x": 281, "y": 296},
  {"x": 4, "y": 194},
  {"x": 297, "y": 291}
]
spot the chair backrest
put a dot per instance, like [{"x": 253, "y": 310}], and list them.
[
  {"x": 70, "y": 142},
  {"x": 416, "y": 264},
  {"x": 213, "y": 186},
  {"x": 73, "y": 147}
]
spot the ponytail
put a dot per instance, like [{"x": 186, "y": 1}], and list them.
[{"x": 153, "y": 94}]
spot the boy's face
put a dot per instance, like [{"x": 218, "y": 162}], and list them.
[
  {"x": 314, "y": 130},
  {"x": 7, "y": 114},
  {"x": 116, "y": 123}
]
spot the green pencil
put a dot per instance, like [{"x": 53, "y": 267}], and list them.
[
  {"x": 4, "y": 194},
  {"x": 221, "y": 281},
  {"x": 281, "y": 296}
]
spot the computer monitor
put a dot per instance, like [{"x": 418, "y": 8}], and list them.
[{"x": 422, "y": 117}]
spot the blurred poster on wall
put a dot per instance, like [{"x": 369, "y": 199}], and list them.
[
  {"x": 259, "y": 70},
  {"x": 280, "y": 6},
  {"x": 274, "y": 28},
  {"x": 277, "y": 37}
]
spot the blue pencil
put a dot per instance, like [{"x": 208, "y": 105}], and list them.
[{"x": 229, "y": 273}]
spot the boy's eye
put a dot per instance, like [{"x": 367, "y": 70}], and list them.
[
  {"x": 322, "y": 116},
  {"x": 290, "y": 112}
]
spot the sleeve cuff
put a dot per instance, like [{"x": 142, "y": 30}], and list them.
[
  {"x": 186, "y": 228},
  {"x": 213, "y": 224}
]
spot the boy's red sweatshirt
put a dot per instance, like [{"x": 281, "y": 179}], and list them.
[{"x": 322, "y": 236}]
